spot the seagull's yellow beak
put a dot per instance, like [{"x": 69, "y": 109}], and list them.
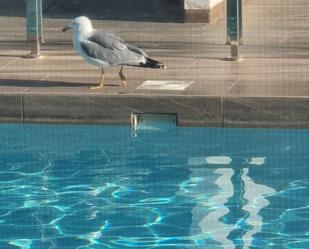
[{"x": 66, "y": 28}]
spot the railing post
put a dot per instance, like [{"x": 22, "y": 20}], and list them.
[
  {"x": 40, "y": 8},
  {"x": 34, "y": 26},
  {"x": 234, "y": 27}
]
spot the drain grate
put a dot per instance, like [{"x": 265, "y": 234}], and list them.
[{"x": 154, "y": 121}]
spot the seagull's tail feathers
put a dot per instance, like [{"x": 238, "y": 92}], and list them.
[{"x": 151, "y": 63}]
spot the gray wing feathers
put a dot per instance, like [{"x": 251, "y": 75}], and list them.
[
  {"x": 107, "y": 40},
  {"x": 137, "y": 50},
  {"x": 96, "y": 52},
  {"x": 112, "y": 49}
]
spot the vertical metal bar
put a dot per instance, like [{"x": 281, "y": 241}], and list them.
[
  {"x": 33, "y": 36},
  {"x": 229, "y": 11},
  {"x": 240, "y": 20},
  {"x": 40, "y": 20},
  {"x": 233, "y": 27},
  {"x": 228, "y": 37}
]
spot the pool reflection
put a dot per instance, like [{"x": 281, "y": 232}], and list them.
[{"x": 97, "y": 187}]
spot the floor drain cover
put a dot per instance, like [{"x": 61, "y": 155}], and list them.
[{"x": 172, "y": 85}]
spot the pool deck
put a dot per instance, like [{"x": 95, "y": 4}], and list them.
[{"x": 269, "y": 87}]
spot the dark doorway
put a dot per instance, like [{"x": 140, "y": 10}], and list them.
[{"x": 125, "y": 10}]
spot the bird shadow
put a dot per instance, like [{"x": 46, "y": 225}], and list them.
[
  {"x": 40, "y": 83},
  {"x": 48, "y": 84},
  {"x": 13, "y": 55},
  {"x": 112, "y": 85}
]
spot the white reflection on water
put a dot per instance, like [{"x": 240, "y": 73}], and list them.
[
  {"x": 210, "y": 214},
  {"x": 255, "y": 195},
  {"x": 210, "y": 224}
]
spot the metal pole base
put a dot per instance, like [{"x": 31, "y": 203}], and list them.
[
  {"x": 32, "y": 56},
  {"x": 233, "y": 58},
  {"x": 34, "y": 50},
  {"x": 229, "y": 43},
  {"x": 234, "y": 52}
]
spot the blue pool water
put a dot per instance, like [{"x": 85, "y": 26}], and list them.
[{"x": 104, "y": 187}]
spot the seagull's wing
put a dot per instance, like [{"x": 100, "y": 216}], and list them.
[
  {"x": 110, "y": 48},
  {"x": 107, "y": 40},
  {"x": 100, "y": 54},
  {"x": 110, "y": 40}
]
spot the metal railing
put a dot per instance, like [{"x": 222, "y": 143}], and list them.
[
  {"x": 234, "y": 27},
  {"x": 233, "y": 30},
  {"x": 34, "y": 26}
]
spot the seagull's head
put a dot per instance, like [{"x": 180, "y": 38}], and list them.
[{"x": 79, "y": 24}]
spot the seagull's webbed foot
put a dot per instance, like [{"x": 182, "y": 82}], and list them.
[
  {"x": 122, "y": 77},
  {"x": 95, "y": 87},
  {"x": 100, "y": 86}
]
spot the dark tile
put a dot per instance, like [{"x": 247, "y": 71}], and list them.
[
  {"x": 196, "y": 111},
  {"x": 266, "y": 112},
  {"x": 11, "y": 108},
  {"x": 55, "y": 108}
]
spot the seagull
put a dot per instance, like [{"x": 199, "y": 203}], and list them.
[{"x": 105, "y": 49}]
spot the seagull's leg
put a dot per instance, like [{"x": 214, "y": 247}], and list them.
[
  {"x": 122, "y": 77},
  {"x": 101, "y": 82}
]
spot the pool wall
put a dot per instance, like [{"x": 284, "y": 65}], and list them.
[{"x": 208, "y": 111}]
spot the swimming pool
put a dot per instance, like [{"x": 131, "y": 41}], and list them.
[{"x": 100, "y": 187}]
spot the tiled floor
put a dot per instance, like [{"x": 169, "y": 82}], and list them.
[{"x": 267, "y": 88}]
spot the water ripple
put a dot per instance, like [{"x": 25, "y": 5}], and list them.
[{"x": 96, "y": 187}]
